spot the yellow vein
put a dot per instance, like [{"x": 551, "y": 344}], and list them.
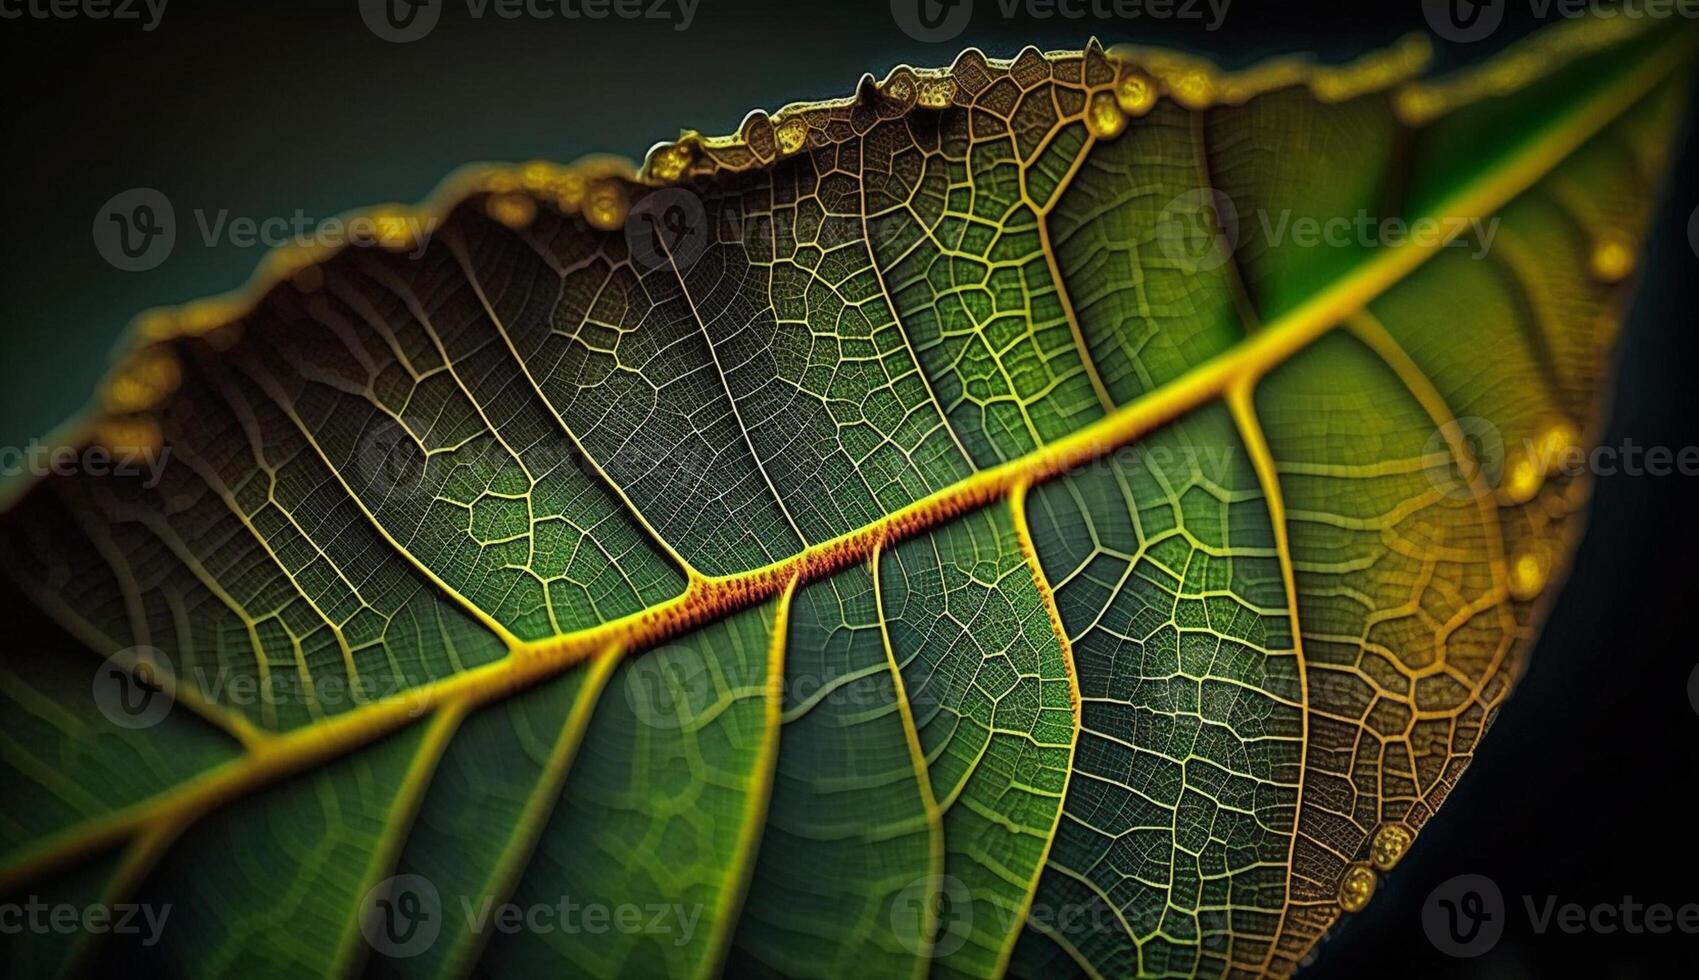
[
  {"x": 1042, "y": 215},
  {"x": 928, "y": 925},
  {"x": 731, "y": 398},
  {"x": 1029, "y": 550},
  {"x": 897, "y": 321},
  {"x": 504, "y": 878},
  {"x": 760, "y": 793},
  {"x": 404, "y": 806},
  {"x": 1241, "y": 403},
  {"x": 613, "y": 486}
]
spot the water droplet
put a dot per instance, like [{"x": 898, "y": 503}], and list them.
[
  {"x": 1356, "y": 887},
  {"x": 1104, "y": 118},
  {"x": 1390, "y": 843},
  {"x": 1136, "y": 94},
  {"x": 1613, "y": 258},
  {"x": 1522, "y": 479},
  {"x": 516, "y": 211},
  {"x": 1528, "y": 573},
  {"x": 605, "y": 207}
]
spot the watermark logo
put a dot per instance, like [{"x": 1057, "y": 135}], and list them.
[
  {"x": 1468, "y": 21},
  {"x": 1464, "y": 916},
  {"x": 136, "y": 229},
  {"x": 1693, "y": 688},
  {"x": 134, "y": 688},
  {"x": 149, "y": 12},
  {"x": 667, "y": 229},
  {"x": 1198, "y": 230},
  {"x": 932, "y": 21},
  {"x": 668, "y": 685},
  {"x": 38, "y": 917},
  {"x": 1464, "y": 21},
  {"x": 1482, "y": 456},
  {"x": 401, "y": 916},
  {"x": 1693, "y": 231},
  {"x": 403, "y": 21},
  {"x": 41, "y": 459},
  {"x": 400, "y": 21},
  {"x": 941, "y": 902},
  {"x": 388, "y": 460}
]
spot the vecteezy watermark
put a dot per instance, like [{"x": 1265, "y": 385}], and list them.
[
  {"x": 936, "y": 21},
  {"x": 1466, "y": 916},
  {"x": 402, "y": 21},
  {"x": 148, "y": 12},
  {"x": 668, "y": 685},
  {"x": 38, "y": 917},
  {"x": 1693, "y": 231},
  {"x": 667, "y": 228},
  {"x": 135, "y": 688},
  {"x": 404, "y": 915},
  {"x": 1199, "y": 230},
  {"x": 136, "y": 230},
  {"x": 1470, "y": 454},
  {"x": 1467, "y": 21},
  {"x": 933, "y": 915},
  {"x": 328, "y": 692},
  {"x": 389, "y": 461},
  {"x": 128, "y": 462},
  {"x": 1693, "y": 688}
]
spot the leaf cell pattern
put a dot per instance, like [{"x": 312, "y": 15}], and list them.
[{"x": 924, "y": 560}]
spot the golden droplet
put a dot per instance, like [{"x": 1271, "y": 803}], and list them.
[
  {"x": 605, "y": 206},
  {"x": 1613, "y": 258},
  {"x": 203, "y": 315},
  {"x": 669, "y": 162},
  {"x": 1356, "y": 887},
  {"x": 1557, "y": 442},
  {"x": 1390, "y": 843},
  {"x": 397, "y": 231},
  {"x": 1104, "y": 118},
  {"x": 537, "y": 175},
  {"x": 157, "y": 325},
  {"x": 791, "y": 134},
  {"x": 129, "y": 434},
  {"x": 1522, "y": 479},
  {"x": 1416, "y": 107},
  {"x": 1136, "y": 94},
  {"x": 1528, "y": 573},
  {"x": 143, "y": 382},
  {"x": 1194, "y": 89},
  {"x": 501, "y": 180},
  {"x": 516, "y": 211}
]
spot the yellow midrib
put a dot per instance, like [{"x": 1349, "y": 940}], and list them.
[{"x": 710, "y": 597}]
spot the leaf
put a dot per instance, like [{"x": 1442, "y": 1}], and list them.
[{"x": 958, "y": 529}]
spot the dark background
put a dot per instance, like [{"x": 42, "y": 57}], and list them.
[{"x": 262, "y": 108}]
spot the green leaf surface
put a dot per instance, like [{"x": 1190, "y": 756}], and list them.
[{"x": 962, "y": 529}]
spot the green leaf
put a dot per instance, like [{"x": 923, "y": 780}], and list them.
[{"x": 970, "y": 527}]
